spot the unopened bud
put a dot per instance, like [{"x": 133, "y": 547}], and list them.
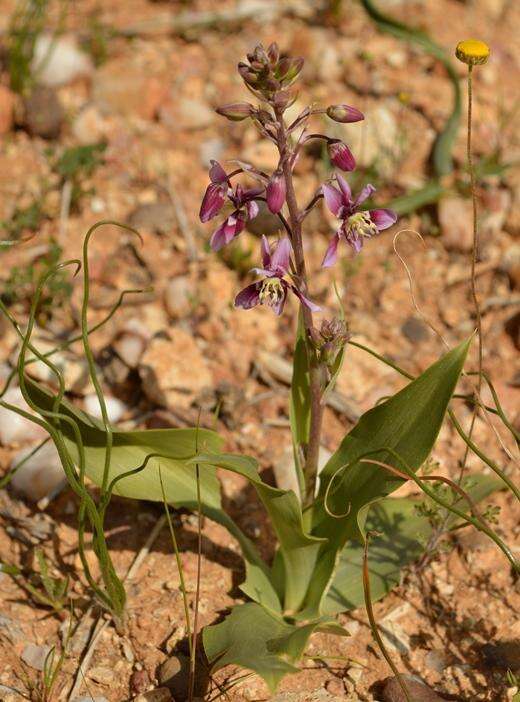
[
  {"x": 340, "y": 155},
  {"x": 344, "y": 113},
  {"x": 248, "y": 75},
  {"x": 275, "y": 192},
  {"x": 335, "y": 335},
  {"x": 273, "y": 52},
  {"x": 288, "y": 69},
  {"x": 284, "y": 99},
  {"x": 235, "y": 111}
]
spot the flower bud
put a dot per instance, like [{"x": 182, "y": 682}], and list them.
[
  {"x": 472, "y": 52},
  {"x": 213, "y": 201},
  {"x": 288, "y": 69},
  {"x": 273, "y": 52},
  {"x": 275, "y": 192},
  {"x": 235, "y": 111},
  {"x": 248, "y": 75},
  {"x": 344, "y": 113},
  {"x": 284, "y": 99},
  {"x": 334, "y": 334},
  {"x": 340, "y": 155}
]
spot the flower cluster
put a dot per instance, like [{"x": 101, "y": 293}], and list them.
[{"x": 269, "y": 76}]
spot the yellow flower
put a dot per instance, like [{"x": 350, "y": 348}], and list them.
[{"x": 472, "y": 51}]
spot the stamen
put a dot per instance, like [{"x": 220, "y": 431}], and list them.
[
  {"x": 360, "y": 224},
  {"x": 272, "y": 292}
]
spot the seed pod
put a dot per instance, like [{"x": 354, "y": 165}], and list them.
[
  {"x": 235, "y": 111},
  {"x": 344, "y": 113}
]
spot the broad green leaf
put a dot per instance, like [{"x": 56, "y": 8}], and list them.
[
  {"x": 402, "y": 535},
  {"x": 130, "y": 450},
  {"x": 298, "y": 549},
  {"x": 408, "y": 423},
  {"x": 255, "y": 639}
]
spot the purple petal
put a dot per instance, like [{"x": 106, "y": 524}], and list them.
[
  {"x": 251, "y": 209},
  {"x": 364, "y": 193},
  {"x": 333, "y": 198},
  {"x": 354, "y": 240},
  {"x": 332, "y": 252},
  {"x": 249, "y": 296},
  {"x": 281, "y": 256},
  {"x": 212, "y": 202},
  {"x": 250, "y": 194},
  {"x": 218, "y": 238},
  {"x": 266, "y": 251},
  {"x": 264, "y": 272},
  {"x": 216, "y": 173},
  {"x": 228, "y": 230},
  {"x": 383, "y": 218},
  {"x": 305, "y": 300},
  {"x": 345, "y": 189}
]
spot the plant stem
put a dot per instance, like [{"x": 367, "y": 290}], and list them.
[
  {"x": 312, "y": 450},
  {"x": 474, "y": 255}
]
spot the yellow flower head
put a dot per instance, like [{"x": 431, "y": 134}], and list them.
[{"x": 472, "y": 51}]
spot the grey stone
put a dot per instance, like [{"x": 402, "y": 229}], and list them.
[
  {"x": 174, "y": 674},
  {"x": 34, "y": 656},
  {"x": 419, "y": 692},
  {"x": 43, "y": 113},
  {"x": 157, "y": 217},
  {"x": 415, "y": 330}
]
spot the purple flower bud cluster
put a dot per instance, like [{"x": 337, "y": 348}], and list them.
[{"x": 269, "y": 76}]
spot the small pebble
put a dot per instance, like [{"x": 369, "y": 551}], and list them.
[
  {"x": 115, "y": 408},
  {"x": 392, "y": 691},
  {"x": 15, "y": 429},
  {"x": 40, "y": 475},
  {"x": 160, "y": 694},
  {"x": 34, "y": 656}
]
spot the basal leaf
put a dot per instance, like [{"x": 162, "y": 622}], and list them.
[
  {"x": 408, "y": 423},
  {"x": 298, "y": 549},
  {"x": 130, "y": 449},
  {"x": 403, "y": 533},
  {"x": 255, "y": 639}
]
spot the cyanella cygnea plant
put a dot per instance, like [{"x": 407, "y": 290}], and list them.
[{"x": 270, "y": 77}]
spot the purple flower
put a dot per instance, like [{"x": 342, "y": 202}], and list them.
[
  {"x": 273, "y": 288},
  {"x": 340, "y": 155},
  {"x": 356, "y": 224},
  {"x": 275, "y": 192},
  {"x": 243, "y": 200},
  {"x": 215, "y": 195}
]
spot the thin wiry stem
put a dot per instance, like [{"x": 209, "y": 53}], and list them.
[
  {"x": 179, "y": 566},
  {"x": 474, "y": 256},
  {"x": 373, "y": 623}
]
